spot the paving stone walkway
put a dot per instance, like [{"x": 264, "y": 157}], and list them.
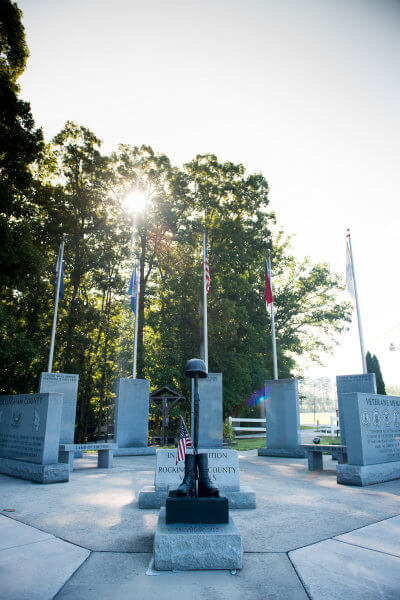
[{"x": 308, "y": 537}]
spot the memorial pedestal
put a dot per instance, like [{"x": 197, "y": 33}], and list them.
[
  {"x": 53, "y": 473},
  {"x": 368, "y": 474},
  {"x": 282, "y": 419},
  {"x": 29, "y": 437},
  {"x": 223, "y": 467},
  {"x": 195, "y": 509},
  {"x": 67, "y": 385},
  {"x": 372, "y": 423},
  {"x": 150, "y": 497},
  {"x": 188, "y": 546},
  {"x": 348, "y": 384},
  {"x": 132, "y": 417}
]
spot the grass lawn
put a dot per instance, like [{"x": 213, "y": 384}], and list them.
[
  {"x": 254, "y": 443},
  {"x": 326, "y": 439},
  {"x": 249, "y": 444}
]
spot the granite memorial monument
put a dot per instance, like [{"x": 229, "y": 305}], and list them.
[
  {"x": 195, "y": 530},
  {"x": 282, "y": 419},
  {"x": 347, "y": 384},
  {"x": 372, "y": 423},
  {"x": 132, "y": 417},
  {"x": 30, "y": 426}
]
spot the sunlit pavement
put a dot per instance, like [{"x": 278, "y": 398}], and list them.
[{"x": 308, "y": 537}]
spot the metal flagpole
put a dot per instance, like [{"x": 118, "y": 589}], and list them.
[
  {"x": 53, "y": 329},
  {"x": 135, "y": 336},
  {"x": 360, "y": 332},
  {"x": 137, "y": 277},
  {"x": 272, "y": 322},
  {"x": 205, "y": 325}
]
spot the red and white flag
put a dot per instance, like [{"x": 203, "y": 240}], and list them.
[
  {"x": 268, "y": 291},
  {"x": 207, "y": 271},
  {"x": 184, "y": 441}
]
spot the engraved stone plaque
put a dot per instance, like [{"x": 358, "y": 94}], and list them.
[
  {"x": 30, "y": 427},
  {"x": 67, "y": 385},
  {"x": 223, "y": 468},
  {"x": 347, "y": 384},
  {"x": 372, "y": 424}
]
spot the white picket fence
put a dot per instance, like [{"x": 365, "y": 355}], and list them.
[
  {"x": 244, "y": 432},
  {"x": 258, "y": 431}
]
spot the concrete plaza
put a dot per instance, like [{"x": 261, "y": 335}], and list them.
[{"x": 308, "y": 537}]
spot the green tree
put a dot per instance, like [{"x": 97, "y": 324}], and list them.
[
  {"x": 77, "y": 199},
  {"x": 373, "y": 366},
  {"x": 20, "y": 260},
  {"x": 234, "y": 209},
  {"x": 141, "y": 170}
]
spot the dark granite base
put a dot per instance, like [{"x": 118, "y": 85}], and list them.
[
  {"x": 150, "y": 497},
  {"x": 193, "y": 509},
  {"x": 54, "y": 473}
]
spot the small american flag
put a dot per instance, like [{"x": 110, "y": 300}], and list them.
[
  {"x": 184, "y": 440},
  {"x": 207, "y": 270}
]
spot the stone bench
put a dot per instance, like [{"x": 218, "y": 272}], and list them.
[
  {"x": 314, "y": 454},
  {"x": 105, "y": 453}
]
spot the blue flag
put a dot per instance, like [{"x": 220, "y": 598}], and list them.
[
  {"x": 61, "y": 292},
  {"x": 133, "y": 291}
]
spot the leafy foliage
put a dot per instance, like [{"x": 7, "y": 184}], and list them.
[
  {"x": 373, "y": 366},
  {"x": 20, "y": 258},
  {"x": 70, "y": 187}
]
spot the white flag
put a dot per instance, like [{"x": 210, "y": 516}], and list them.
[{"x": 349, "y": 272}]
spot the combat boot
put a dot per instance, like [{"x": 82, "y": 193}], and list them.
[
  {"x": 205, "y": 487},
  {"x": 187, "y": 487}
]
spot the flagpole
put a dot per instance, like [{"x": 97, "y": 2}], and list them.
[
  {"x": 136, "y": 262},
  {"x": 135, "y": 335},
  {"x": 205, "y": 324},
  {"x": 272, "y": 322},
  {"x": 360, "y": 332},
  {"x": 57, "y": 298}
]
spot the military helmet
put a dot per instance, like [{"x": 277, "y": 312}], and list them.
[{"x": 195, "y": 367}]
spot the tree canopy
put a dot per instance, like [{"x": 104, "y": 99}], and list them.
[
  {"x": 373, "y": 366},
  {"x": 69, "y": 186}
]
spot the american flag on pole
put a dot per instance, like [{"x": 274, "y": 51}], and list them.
[
  {"x": 268, "y": 291},
  {"x": 207, "y": 271},
  {"x": 184, "y": 441}
]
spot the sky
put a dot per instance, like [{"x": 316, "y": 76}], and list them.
[{"x": 306, "y": 92}]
